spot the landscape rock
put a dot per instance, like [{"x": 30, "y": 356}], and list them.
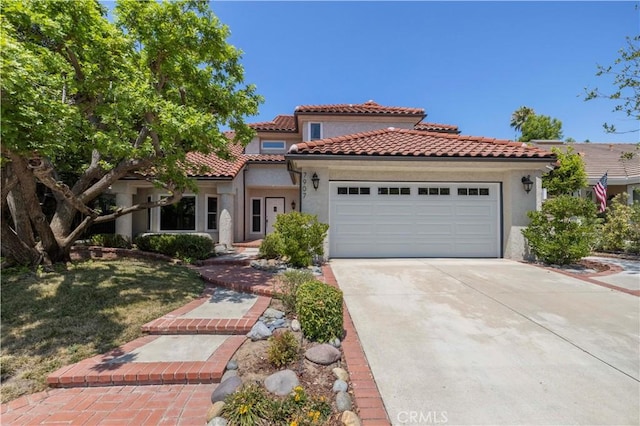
[
  {"x": 335, "y": 342},
  {"x": 282, "y": 382},
  {"x": 227, "y": 374},
  {"x": 273, "y": 313},
  {"x": 349, "y": 418},
  {"x": 232, "y": 365},
  {"x": 341, "y": 374},
  {"x": 340, "y": 386},
  {"x": 215, "y": 410},
  {"x": 225, "y": 388},
  {"x": 343, "y": 401},
  {"x": 218, "y": 421},
  {"x": 295, "y": 325},
  {"x": 323, "y": 354},
  {"x": 259, "y": 331}
]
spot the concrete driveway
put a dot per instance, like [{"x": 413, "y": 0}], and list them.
[{"x": 494, "y": 342}]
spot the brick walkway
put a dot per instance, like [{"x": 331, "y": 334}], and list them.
[{"x": 103, "y": 400}]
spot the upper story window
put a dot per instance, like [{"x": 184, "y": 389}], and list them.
[
  {"x": 315, "y": 131},
  {"x": 273, "y": 146}
]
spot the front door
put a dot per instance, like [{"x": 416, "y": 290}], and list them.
[{"x": 273, "y": 207}]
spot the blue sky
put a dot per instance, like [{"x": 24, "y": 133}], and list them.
[{"x": 466, "y": 63}]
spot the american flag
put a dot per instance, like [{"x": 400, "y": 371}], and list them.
[{"x": 601, "y": 192}]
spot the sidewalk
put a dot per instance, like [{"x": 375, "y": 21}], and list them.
[{"x": 167, "y": 376}]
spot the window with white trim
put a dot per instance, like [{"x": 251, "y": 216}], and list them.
[
  {"x": 273, "y": 146},
  {"x": 256, "y": 215},
  {"x": 180, "y": 216},
  {"x": 212, "y": 213},
  {"x": 315, "y": 131}
]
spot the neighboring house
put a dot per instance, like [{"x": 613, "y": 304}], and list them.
[
  {"x": 388, "y": 183},
  {"x": 621, "y": 162}
]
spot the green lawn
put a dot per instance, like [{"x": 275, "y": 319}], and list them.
[{"x": 52, "y": 319}]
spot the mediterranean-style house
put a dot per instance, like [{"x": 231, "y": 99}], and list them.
[
  {"x": 388, "y": 183},
  {"x": 621, "y": 162}
]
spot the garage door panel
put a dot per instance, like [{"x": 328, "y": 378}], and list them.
[{"x": 462, "y": 222}]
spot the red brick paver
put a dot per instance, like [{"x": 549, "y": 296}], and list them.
[
  {"x": 240, "y": 278},
  {"x": 116, "y": 405}
]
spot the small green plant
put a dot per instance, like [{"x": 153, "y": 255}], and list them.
[
  {"x": 247, "y": 407},
  {"x": 110, "y": 240},
  {"x": 289, "y": 282},
  {"x": 634, "y": 234},
  {"x": 564, "y": 231},
  {"x": 283, "y": 349},
  {"x": 319, "y": 308},
  {"x": 300, "y": 409},
  {"x": 272, "y": 246},
  {"x": 182, "y": 246},
  {"x": 302, "y": 237}
]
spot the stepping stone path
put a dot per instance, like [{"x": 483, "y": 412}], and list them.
[{"x": 192, "y": 344}]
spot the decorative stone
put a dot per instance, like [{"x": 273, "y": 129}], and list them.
[
  {"x": 225, "y": 388},
  {"x": 323, "y": 354},
  {"x": 259, "y": 331},
  {"x": 273, "y": 313},
  {"x": 335, "y": 342},
  {"x": 341, "y": 374},
  {"x": 215, "y": 410},
  {"x": 282, "y": 382},
  {"x": 340, "y": 386},
  {"x": 227, "y": 374},
  {"x": 232, "y": 365},
  {"x": 343, "y": 401},
  {"x": 218, "y": 421},
  {"x": 349, "y": 418},
  {"x": 295, "y": 325}
]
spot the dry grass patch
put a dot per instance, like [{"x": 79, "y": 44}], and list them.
[{"x": 58, "y": 318}]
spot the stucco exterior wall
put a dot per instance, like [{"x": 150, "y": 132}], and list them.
[
  {"x": 515, "y": 201},
  {"x": 332, "y": 128},
  {"x": 268, "y": 176},
  {"x": 254, "y": 147}
]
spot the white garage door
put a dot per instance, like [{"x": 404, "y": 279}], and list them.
[{"x": 392, "y": 219}]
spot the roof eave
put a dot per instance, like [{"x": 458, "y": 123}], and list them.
[{"x": 412, "y": 158}]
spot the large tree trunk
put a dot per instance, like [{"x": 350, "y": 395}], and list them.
[{"x": 13, "y": 248}]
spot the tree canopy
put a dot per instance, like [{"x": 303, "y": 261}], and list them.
[
  {"x": 519, "y": 117},
  {"x": 569, "y": 176},
  {"x": 626, "y": 78},
  {"x": 87, "y": 101},
  {"x": 541, "y": 127}
]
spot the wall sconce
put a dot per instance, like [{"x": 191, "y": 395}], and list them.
[
  {"x": 315, "y": 180},
  {"x": 527, "y": 183},
  {"x": 293, "y": 205}
]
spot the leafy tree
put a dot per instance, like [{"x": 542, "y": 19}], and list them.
[
  {"x": 626, "y": 77},
  {"x": 563, "y": 231},
  {"x": 541, "y": 127},
  {"x": 569, "y": 176},
  {"x": 86, "y": 102},
  {"x": 519, "y": 117}
]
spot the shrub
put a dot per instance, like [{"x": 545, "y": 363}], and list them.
[
  {"x": 617, "y": 229},
  {"x": 563, "y": 231},
  {"x": 248, "y": 406},
  {"x": 289, "y": 282},
  {"x": 300, "y": 409},
  {"x": 272, "y": 246},
  {"x": 302, "y": 237},
  {"x": 283, "y": 349},
  {"x": 110, "y": 240},
  {"x": 634, "y": 233},
  {"x": 319, "y": 309},
  {"x": 183, "y": 246}
]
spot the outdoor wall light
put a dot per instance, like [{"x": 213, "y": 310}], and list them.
[
  {"x": 293, "y": 205},
  {"x": 315, "y": 180},
  {"x": 527, "y": 183}
]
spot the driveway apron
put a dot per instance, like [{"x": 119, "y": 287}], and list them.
[{"x": 494, "y": 342}]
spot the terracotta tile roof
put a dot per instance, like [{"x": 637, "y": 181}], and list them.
[
  {"x": 436, "y": 127},
  {"x": 600, "y": 158},
  {"x": 282, "y": 123},
  {"x": 216, "y": 166},
  {"x": 417, "y": 143},
  {"x": 367, "y": 108},
  {"x": 266, "y": 158}
]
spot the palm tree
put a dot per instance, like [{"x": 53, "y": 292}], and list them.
[{"x": 519, "y": 116}]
